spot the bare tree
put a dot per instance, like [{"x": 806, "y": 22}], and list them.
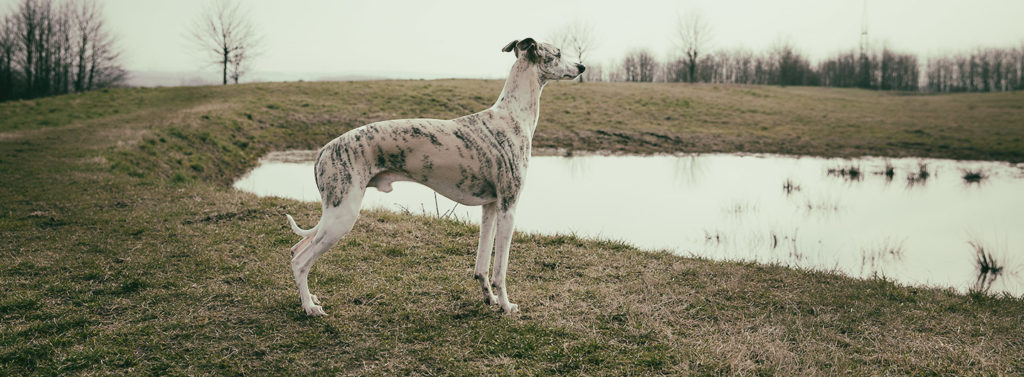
[
  {"x": 577, "y": 39},
  {"x": 238, "y": 66},
  {"x": 27, "y": 25},
  {"x": 791, "y": 67},
  {"x": 693, "y": 37},
  {"x": 1019, "y": 67},
  {"x": 223, "y": 33},
  {"x": 102, "y": 74},
  {"x": 639, "y": 66},
  {"x": 7, "y": 50},
  {"x": 63, "y": 49},
  {"x": 88, "y": 26},
  {"x": 629, "y": 68},
  {"x": 840, "y": 70}
]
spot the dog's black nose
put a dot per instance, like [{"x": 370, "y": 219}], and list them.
[{"x": 580, "y": 67}]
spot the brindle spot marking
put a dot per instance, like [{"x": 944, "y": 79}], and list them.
[
  {"x": 465, "y": 139},
  {"x": 392, "y": 161},
  {"x": 433, "y": 140},
  {"x": 428, "y": 166},
  {"x": 465, "y": 176},
  {"x": 321, "y": 169},
  {"x": 486, "y": 189},
  {"x": 417, "y": 132}
]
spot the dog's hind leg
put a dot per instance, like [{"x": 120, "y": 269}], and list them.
[
  {"x": 483, "y": 251},
  {"x": 336, "y": 222}
]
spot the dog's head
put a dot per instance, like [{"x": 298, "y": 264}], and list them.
[{"x": 548, "y": 59}]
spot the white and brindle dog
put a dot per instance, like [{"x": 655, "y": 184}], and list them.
[{"x": 475, "y": 160}]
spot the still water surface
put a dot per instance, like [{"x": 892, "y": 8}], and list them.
[{"x": 913, "y": 227}]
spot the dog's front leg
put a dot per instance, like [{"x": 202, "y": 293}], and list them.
[
  {"x": 502, "y": 243},
  {"x": 483, "y": 251}
]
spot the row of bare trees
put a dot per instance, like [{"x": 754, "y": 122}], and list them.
[
  {"x": 984, "y": 70},
  {"x": 49, "y": 47},
  {"x": 885, "y": 70},
  {"x": 783, "y": 64},
  {"x": 639, "y": 66}
]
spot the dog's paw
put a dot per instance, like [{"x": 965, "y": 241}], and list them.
[
  {"x": 316, "y": 300},
  {"x": 315, "y": 311},
  {"x": 490, "y": 299},
  {"x": 510, "y": 309}
]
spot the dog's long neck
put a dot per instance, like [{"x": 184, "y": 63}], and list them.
[{"x": 521, "y": 96}]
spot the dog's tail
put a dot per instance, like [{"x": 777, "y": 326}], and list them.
[
  {"x": 307, "y": 235},
  {"x": 302, "y": 232}
]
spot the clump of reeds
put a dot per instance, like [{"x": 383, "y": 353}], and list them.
[
  {"x": 919, "y": 177},
  {"x": 986, "y": 262},
  {"x": 989, "y": 268},
  {"x": 888, "y": 171},
  {"x": 973, "y": 176},
  {"x": 789, "y": 186},
  {"x": 851, "y": 172}
]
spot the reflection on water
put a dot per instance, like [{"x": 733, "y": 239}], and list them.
[
  {"x": 916, "y": 221},
  {"x": 989, "y": 266}
]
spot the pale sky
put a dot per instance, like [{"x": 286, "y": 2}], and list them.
[{"x": 462, "y": 38}]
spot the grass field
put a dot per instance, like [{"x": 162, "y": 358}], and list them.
[{"x": 126, "y": 252}]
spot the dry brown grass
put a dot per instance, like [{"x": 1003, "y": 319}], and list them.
[{"x": 132, "y": 258}]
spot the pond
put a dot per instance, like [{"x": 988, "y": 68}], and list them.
[{"x": 928, "y": 222}]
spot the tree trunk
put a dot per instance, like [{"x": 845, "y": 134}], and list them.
[
  {"x": 92, "y": 73},
  {"x": 80, "y": 73},
  {"x": 693, "y": 70},
  {"x": 93, "y": 62},
  {"x": 224, "y": 67}
]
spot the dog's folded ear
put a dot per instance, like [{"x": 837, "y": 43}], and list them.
[
  {"x": 526, "y": 44},
  {"x": 510, "y": 46},
  {"x": 529, "y": 45}
]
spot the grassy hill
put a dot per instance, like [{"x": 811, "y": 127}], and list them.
[{"x": 125, "y": 251}]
